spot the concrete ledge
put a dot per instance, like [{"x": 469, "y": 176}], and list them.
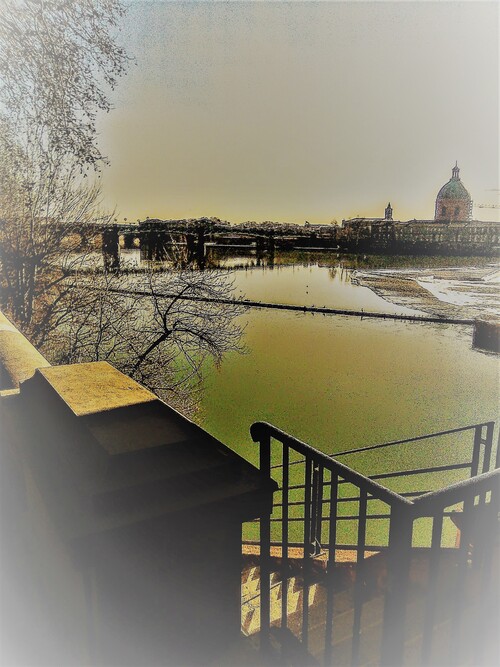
[
  {"x": 18, "y": 358},
  {"x": 90, "y": 388}
]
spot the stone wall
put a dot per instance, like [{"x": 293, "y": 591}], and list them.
[
  {"x": 120, "y": 520},
  {"x": 18, "y": 358},
  {"x": 451, "y": 209}
]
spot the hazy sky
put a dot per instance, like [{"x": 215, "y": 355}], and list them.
[{"x": 297, "y": 111}]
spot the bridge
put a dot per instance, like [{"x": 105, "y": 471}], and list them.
[{"x": 198, "y": 238}]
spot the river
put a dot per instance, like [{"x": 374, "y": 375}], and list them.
[{"x": 339, "y": 382}]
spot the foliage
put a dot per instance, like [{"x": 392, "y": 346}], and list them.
[{"x": 56, "y": 56}]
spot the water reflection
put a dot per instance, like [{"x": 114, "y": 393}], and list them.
[{"x": 312, "y": 285}]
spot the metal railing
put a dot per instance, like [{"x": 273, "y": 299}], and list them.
[
  {"x": 325, "y": 509},
  {"x": 476, "y": 503}
]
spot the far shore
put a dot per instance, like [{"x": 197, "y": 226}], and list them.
[{"x": 471, "y": 290}]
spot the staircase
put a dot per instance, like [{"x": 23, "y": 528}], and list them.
[
  {"x": 363, "y": 604},
  {"x": 286, "y": 649}
]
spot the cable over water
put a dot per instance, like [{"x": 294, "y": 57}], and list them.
[{"x": 247, "y": 303}]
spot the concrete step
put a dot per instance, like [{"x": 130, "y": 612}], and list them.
[{"x": 472, "y": 633}]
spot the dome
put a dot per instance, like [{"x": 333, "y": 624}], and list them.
[
  {"x": 454, "y": 189},
  {"x": 453, "y": 202}
]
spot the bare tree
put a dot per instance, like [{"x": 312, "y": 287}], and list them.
[
  {"x": 187, "y": 323},
  {"x": 150, "y": 328},
  {"x": 56, "y": 58},
  {"x": 45, "y": 218}
]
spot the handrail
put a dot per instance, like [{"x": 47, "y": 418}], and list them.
[
  {"x": 437, "y": 434},
  {"x": 318, "y": 523},
  {"x": 418, "y": 437},
  {"x": 452, "y": 494},
  {"x": 455, "y": 493},
  {"x": 390, "y": 497}
]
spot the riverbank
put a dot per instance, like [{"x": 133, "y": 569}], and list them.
[{"x": 450, "y": 292}]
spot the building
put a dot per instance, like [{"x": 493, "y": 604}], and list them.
[
  {"x": 453, "y": 202},
  {"x": 452, "y": 231}
]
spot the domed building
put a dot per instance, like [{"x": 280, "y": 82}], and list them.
[{"x": 453, "y": 202}]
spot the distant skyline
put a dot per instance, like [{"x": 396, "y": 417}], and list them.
[{"x": 303, "y": 110}]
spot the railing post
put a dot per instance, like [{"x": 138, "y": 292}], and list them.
[
  {"x": 306, "y": 561},
  {"x": 360, "y": 577},
  {"x": 488, "y": 592},
  {"x": 433, "y": 582},
  {"x": 497, "y": 457},
  {"x": 317, "y": 511},
  {"x": 476, "y": 452},
  {"x": 398, "y": 567},
  {"x": 265, "y": 552},
  {"x": 284, "y": 545},
  {"x": 332, "y": 542},
  {"x": 488, "y": 444}
]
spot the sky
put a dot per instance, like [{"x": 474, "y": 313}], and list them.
[{"x": 295, "y": 111}]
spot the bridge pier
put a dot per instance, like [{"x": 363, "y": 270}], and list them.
[
  {"x": 111, "y": 248},
  {"x": 200, "y": 248},
  {"x": 128, "y": 241},
  {"x": 152, "y": 246},
  {"x": 486, "y": 335}
]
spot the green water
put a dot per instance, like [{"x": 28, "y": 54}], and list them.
[
  {"x": 338, "y": 382},
  {"x": 341, "y": 382}
]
